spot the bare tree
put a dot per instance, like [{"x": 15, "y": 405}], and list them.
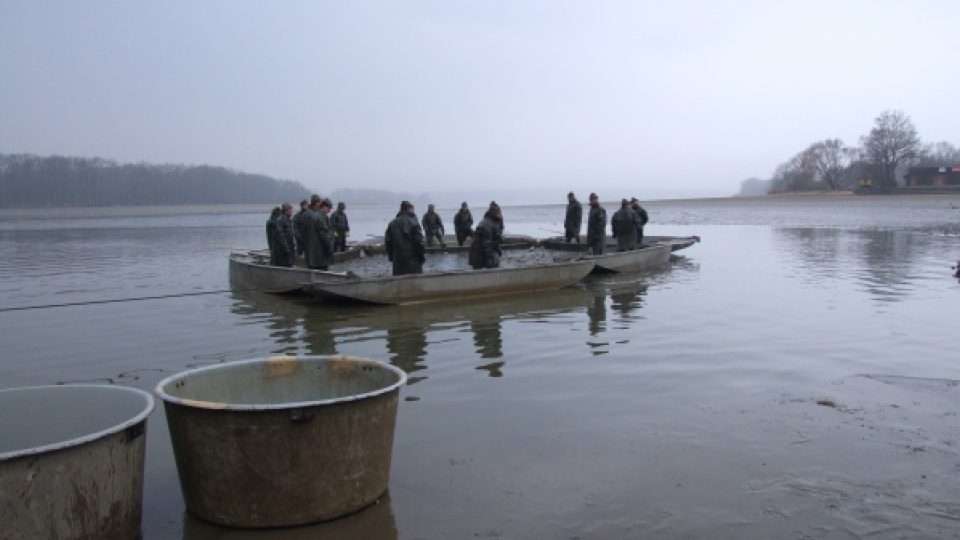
[
  {"x": 828, "y": 160},
  {"x": 892, "y": 142},
  {"x": 794, "y": 175}
]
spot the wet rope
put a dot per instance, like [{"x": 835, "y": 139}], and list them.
[{"x": 119, "y": 300}]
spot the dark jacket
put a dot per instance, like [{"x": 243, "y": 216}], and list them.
[
  {"x": 285, "y": 243},
  {"x": 596, "y": 222},
  {"x": 485, "y": 249},
  {"x": 272, "y": 227},
  {"x": 463, "y": 222},
  {"x": 574, "y": 218},
  {"x": 317, "y": 239},
  {"x": 403, "y": 241},
  {"x": 432, "y": 223},
  {"x": 644, "y": 218},
  {"x": 596, "y": 230},
  {"x": 298, "y": 228},
  {"x": 625, "y": 223},
  {"x": 339, "y": 222}
]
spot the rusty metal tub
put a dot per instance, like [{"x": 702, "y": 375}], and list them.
[
  {"x": 282, "y": 441},
  {"x": 71, "y": 461}
]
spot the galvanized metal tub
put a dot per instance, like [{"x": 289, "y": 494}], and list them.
[
  {"x": 282, "y": 441},
  {"x": 71, "y": 461}
]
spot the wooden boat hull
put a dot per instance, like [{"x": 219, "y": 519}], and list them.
[
  {"x": 414, "y": 288},
  {"x": 251, "y": 272},
  {"x": 676, "y": 243},
  {"x": 636, "y": 260}
]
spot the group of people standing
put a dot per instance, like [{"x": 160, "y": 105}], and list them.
[
  {"x": 626, "y": 225},
  {"x": 314, "y": 232},
  {"x": 406, "y": 244}
]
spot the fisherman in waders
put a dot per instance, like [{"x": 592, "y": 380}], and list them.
[
  {"x": 403, "y": 241},
  {"x": 341, "y": 227},
  {"x": 284, "y": 242},
  {"x": 485, "y": 249},
  {"x": 625, "y": 223},
  {"x": 644, "y": 218},
  {"x": 596, "y": 227},
  {"x": 463, "y": 223},
  {"x": 433, "y": 226},
  {"x": 317, "y": 235},
  {"x": 573, "y": 220},
  {"x": 272, "y": 234}
]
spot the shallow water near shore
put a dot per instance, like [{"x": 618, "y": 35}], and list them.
[{"x": 791, "y": 376}]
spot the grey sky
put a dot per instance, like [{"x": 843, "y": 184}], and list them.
[{"x": 655, "y": 99}]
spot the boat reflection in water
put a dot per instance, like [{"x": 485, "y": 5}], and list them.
[{"x": 405, "y": 335}]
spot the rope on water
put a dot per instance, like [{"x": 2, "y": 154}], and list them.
[{"x": 119, "y": 300}]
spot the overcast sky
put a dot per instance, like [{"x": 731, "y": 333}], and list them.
[{"x": 649, "y": 98}]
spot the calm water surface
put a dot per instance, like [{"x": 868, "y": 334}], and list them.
[{"x": 676, "y": 404}]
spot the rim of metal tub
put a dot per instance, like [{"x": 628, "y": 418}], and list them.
[
  {"x": 83, "y": 439},
  {"x": 200, "y": 404}
]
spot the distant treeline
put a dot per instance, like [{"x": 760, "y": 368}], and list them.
[{"x": 29, "y": 181}]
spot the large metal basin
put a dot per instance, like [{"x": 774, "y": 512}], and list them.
[
  {"x": 282, "y": 441},
  {"x": 71, "y": 461}
]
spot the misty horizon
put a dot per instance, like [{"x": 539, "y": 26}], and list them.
[{"x": 531, "y": 99}]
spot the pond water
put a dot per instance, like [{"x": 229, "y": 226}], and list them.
[{"x": 793, "y": 375}]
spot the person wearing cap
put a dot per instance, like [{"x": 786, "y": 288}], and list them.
[
  {"x": 433, "y": 226},
  {"x": 284, "y": 242},
  {"x": 573, "y": 220},
  {"x": 272, "y": 226},
  {"x": 341, "y": 227},
  {"x": 596, "y": 226},
  {"x": 318, "y": 235},
  {"x": 298, "y": 239},
  {"x": 463, "y": 223},
  {"x": 485, "y": 249},
  {"x": 624, "y": 225},
  {"x": 644, "y": 218},
  {"x": 403, "y": 241}
]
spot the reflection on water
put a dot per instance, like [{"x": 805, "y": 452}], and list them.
[
  {"x": 408, "y": 347},
  {"x": 375, "y": 521},
  {"x": 626, "y": 301},
  {"x": 625, "y": 294},
  {"x": 881, "y": 262},
  {"x": 488, "y": 340},
  {"x": 487, "y": 337},
  {"x": 407, "y": 333},
  {"x": 597, "y": 314}
]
